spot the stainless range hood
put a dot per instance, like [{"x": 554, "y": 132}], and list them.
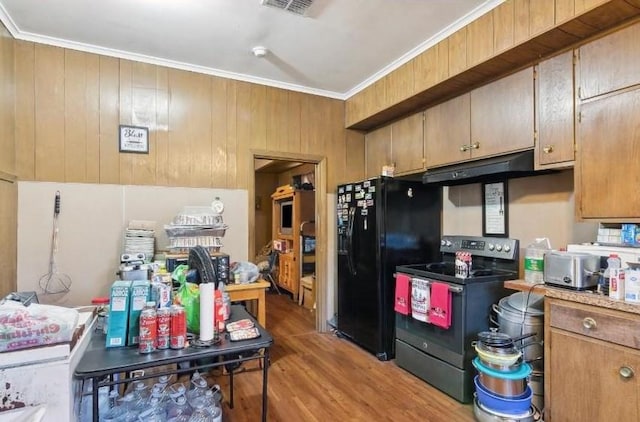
[{"x": 486, "y": 170}]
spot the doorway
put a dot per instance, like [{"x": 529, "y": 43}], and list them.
[{"x": 270, "y": 171}]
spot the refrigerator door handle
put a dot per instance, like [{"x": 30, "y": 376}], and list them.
[{"x": 352, "y": 214}]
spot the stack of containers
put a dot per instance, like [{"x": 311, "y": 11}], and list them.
[
  {"x": 502, "y": 387},
  {"x": 196, "y": 226}
]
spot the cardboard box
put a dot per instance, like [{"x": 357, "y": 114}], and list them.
[
  {"x": 632, "y": 286},
  {"x": 140, "y": 292},
  {"x": 118, "y": 313}
]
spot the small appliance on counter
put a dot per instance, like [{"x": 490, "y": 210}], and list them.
[
  {"x": 572, "y": 270},
  {"x": 133, "y": 267}
]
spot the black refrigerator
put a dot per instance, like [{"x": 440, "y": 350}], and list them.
[{"x": 382, "y": 222}]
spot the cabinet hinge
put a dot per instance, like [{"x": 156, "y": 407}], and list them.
[
  {"x": 579, "y": 117},
  {"x": 580, "y": 92}
]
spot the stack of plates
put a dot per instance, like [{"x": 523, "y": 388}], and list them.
[{"x": 140, "y": 241}]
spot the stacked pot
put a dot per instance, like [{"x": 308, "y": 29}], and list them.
[
  {"x": 502, "y": 387},
  {"x": 523, "y": 313}
]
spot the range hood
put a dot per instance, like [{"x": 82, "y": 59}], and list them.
[{"x": 485, "y": 170}]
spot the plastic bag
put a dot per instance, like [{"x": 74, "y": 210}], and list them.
[
  {"x": 34, "y": 325},
  {"x": 187, "y": 296},
  {"x": 248, "y": 272}
]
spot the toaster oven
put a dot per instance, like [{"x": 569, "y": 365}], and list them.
[{"x": 573, "y": 270}]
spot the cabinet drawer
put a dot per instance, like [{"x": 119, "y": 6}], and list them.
[{"x": 604, "y": 324}]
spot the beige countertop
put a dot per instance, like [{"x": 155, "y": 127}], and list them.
[{"x": 586, "y": 297}]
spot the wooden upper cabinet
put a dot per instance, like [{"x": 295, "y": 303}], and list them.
[
  {"x": 457, "y": 52},
  {"x": 503, "y": 26},
  {"x": 447, "y": 128},
  {"x": 609, "y": 63},
  {"x": 399, "y": 84},
  {"x": 377, "y": 150},
  {"x": 607, "y": 157},
  {"x": 431, "y": 66},
  {"x": 407, "y": 144},
  {"x": 502, "y": 115},
  {"x": 480, "y": 40},
  {"x": 541, "y": 16},
  {"x": 555, "y": 111}
]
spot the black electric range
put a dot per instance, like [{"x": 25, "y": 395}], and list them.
[{"x": 442, "y": 357}]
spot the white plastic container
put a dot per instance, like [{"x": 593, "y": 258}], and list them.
[{"x": 534, "y": 260}]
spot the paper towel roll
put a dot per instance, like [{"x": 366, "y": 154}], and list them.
[{"x": 207, "y": 291}]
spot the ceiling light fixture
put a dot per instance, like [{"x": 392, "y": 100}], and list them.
[{"x": 260, "y": 51}]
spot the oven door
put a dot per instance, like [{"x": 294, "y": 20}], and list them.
[{"x": 445, "y": 344}]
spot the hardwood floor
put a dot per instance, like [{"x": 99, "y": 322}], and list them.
[{"x": 320, "y": 377}]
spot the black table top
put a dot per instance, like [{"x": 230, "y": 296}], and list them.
[{"x": 99, "y": 361}]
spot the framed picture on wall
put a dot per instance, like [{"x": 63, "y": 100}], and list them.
[
  {"x": 495, "y": 209},
  {"x": 134, "y": 139}
]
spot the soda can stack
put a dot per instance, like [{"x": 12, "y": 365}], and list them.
[
  {"x": 164, "y": 328},
  {"x": 148, "y": 328}
]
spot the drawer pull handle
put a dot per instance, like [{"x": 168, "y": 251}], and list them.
[
  {"x": 548, "y": 149},
  {"x": 589, "y": 323},
  {"x": 626, "y": 372},
  {"x": 475, "y": 145}
]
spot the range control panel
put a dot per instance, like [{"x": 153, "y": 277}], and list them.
[{"x": 492, "y": 247}]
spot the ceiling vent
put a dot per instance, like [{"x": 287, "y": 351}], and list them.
[{"x": 298, "y": 7}]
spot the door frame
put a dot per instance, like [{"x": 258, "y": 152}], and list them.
[{"x": 320, "y": 219}]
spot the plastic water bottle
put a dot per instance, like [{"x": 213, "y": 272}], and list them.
[
  {"x": 534, "y": 260},
  {"x": 178, "y": 409},
  {"x": 211, "y": 406}
]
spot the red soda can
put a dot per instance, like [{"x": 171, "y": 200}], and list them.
[
  {"x": 164, "y": 328},
  {"x": 178, "y": 336},
  {"x": 148, "y": 328}
]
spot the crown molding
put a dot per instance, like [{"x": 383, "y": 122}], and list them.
[{"x": 455, "y": 26}]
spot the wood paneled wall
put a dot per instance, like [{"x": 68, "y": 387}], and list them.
[
  {"x": 202, "y": 128},
  {"x": 8, "y": 191}
]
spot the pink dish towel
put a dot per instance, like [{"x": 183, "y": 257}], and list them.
[
  {"x": 440, "y": 312},
  {"x": 403, "y": 294}
]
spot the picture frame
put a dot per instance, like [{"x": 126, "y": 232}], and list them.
[
  {"x": 133, "y": 139},
  {"x": 495, "y": 209}
]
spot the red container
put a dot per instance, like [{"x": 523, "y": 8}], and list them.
[
  {"x": 164, "y": 328},
  {"x": 178, "y": 336},
  {"x": 148, "y": 328}
]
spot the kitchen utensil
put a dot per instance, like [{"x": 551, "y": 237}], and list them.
[
  {"x": 510, "y": 384},
  {"x": 498, "y": 359},
  {"x": 515, "y": 407},
  {"x": 484, "y": 414},
  {"x": 54, "y": 282},
  {"x": 514, "y": 322}
]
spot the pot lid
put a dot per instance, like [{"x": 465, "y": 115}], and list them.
[
  {"x": 531, "y": 303},
  {"x": 495, "y": 339}
]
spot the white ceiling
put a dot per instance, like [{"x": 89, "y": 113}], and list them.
[{"x": 338, "y": 48}]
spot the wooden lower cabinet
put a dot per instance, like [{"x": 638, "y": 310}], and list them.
[
  {"x": 587, "y": 376},
  {"x": 288, "y": 273}
]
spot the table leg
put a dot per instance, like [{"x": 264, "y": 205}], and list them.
[
  {"x": 231, "y": 389},
  {"x": 262, "y": 309},
  {"x": 265, "y": 368},
  {"x": 94, "y": 398}
]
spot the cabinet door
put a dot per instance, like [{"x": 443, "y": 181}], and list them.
[
  {"x": 610, "y": 63},
  {"x": 608, "y": 156},
  {"x": 447, "y": 131},
  {"x": 378, "y": 150},
  {"x": 407, "y": 143},
  {"x": 587, "y": 380},
  {"x": 502, "y": 115},
  {"x": 286, "y": 267},
  {"x": 555, "y": 110}
]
